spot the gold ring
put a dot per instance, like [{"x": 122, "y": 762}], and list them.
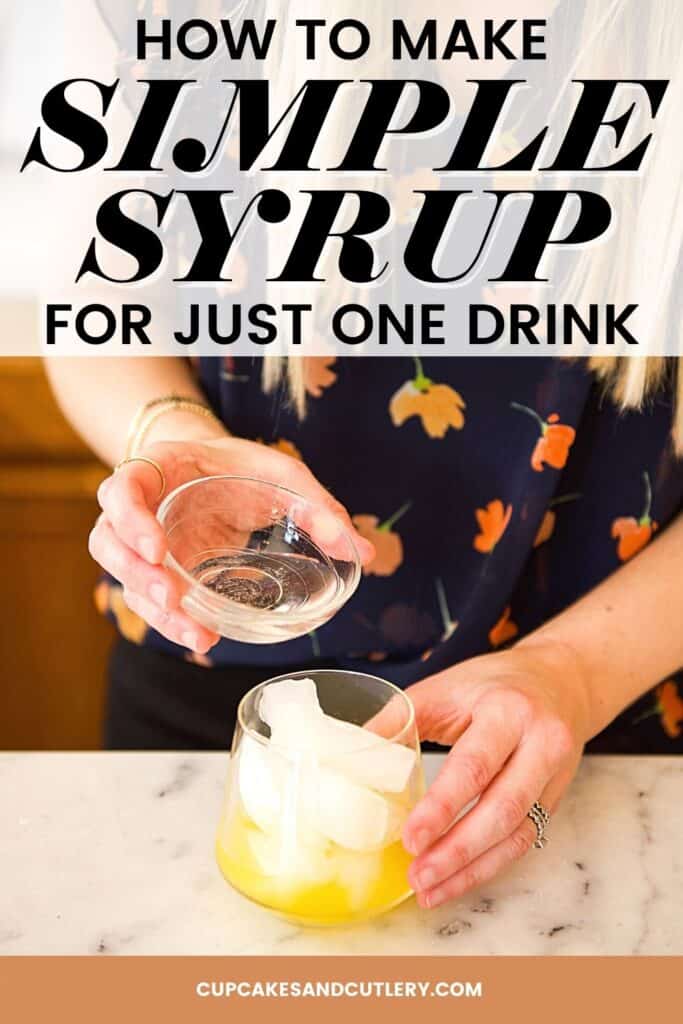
[{"x": 150, "y": 462}]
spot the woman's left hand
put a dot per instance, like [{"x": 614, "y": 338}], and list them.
[{"x": 517, "y": 721}]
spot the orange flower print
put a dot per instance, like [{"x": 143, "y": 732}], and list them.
[
  {"x": 284, "y": 446},
  {"x": 109, "y": 598},
  {"x": 403, "y": 625},
  {"x": 547, "y": 527},
  {"x": 317, "y": 374},
  {"x": 633, "y": 534},
  {"x": 505, "y": 629},
  {"x": 493, "y": 522},
  {"x": 399, "y": 625},
  {"x": 552, "y": 447},
  {"x": 101, "y": 597},
  {"x": 287, "y": 448},
  {"x": 439, "y": 406},
  {"x": 388, "y": 545},
  {"x": 669, "y": 706}
]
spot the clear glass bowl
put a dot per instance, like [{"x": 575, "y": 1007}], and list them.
[
  {"x": 314, "y": 806},
  {"x": 262, "y": 563}
]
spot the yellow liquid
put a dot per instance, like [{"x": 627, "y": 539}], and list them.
[{"x": 351, "y": 886}]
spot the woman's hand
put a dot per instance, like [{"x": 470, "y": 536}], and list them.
[
  {"x": 129, "y": 543},
  {"x": 518, "y": 721}
]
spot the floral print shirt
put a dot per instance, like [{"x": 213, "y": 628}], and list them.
[{"x": 496, "y": 493}]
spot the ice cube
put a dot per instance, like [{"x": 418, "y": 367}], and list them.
[
  {"x": 259, "y": 782},
  {"x": 292, "y": 711},
  {"x": 279, "y": 699},
  {"x": 292, "y": 859},
  {"x": 357, "y": 873},
  {"x": 354, "y": 816},
  {"x": 297, "y": 722},
  {"x": 365, "y": 757}
]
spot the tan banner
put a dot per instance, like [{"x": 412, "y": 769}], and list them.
[{"x": 187, "y": 989}]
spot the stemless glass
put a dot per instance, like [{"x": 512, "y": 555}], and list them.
[
  {"x": 261, "y": 563},
  {"x": 312, "y": 819}
]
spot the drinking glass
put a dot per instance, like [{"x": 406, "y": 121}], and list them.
[
  {"x": 261, "y": 563},
  {"x": 315, "y": 804}
]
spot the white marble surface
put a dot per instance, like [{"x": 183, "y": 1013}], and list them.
[{"x": 113, "y": 854}]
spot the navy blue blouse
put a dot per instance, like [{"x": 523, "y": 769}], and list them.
[{"x": 497, "y": 493}]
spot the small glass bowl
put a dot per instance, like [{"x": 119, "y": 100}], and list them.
[{"x": 262, "y": 563}]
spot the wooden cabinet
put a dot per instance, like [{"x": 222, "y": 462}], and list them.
[{"x": 53, "y": 643}]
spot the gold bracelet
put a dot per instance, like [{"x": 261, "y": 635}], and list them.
[
  {"x": 139, "y": 418},
  {"x": 152, "y": 411}
]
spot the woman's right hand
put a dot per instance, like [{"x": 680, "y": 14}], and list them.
[{"x": 129, "y": 543}]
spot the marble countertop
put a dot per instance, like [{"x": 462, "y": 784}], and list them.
[{"x": 112, "y": 853}]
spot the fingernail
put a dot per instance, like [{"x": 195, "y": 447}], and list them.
[
  {"x": 146, "y": 548},
  {"x": 426, "y": 878},
  {"x": 103, "y": 488},
  {"x": 434, "y": 899},
  {"x": 418, "y": 843},
  {"x": 327, "y": 528},
  {"x": 159, "y": 594},
  {"x": 189, "y": 640}
]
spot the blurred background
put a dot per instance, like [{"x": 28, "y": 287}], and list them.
[{"x": 53, "y": 642}]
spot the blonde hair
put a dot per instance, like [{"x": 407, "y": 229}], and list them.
[
  {"x": 626, "y": 35},
  {"x": 649, "y": 38}
]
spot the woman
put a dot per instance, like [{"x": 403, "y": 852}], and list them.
[{"x": 520, "y": 529}]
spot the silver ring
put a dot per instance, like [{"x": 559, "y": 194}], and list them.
[{"x": 541, "y": 819}]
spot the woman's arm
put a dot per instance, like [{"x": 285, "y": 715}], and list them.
[
  {"x": 100, "y": 396},
  {"x": 625, "y": 635},
  {"x": 518, "y": 719}
]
